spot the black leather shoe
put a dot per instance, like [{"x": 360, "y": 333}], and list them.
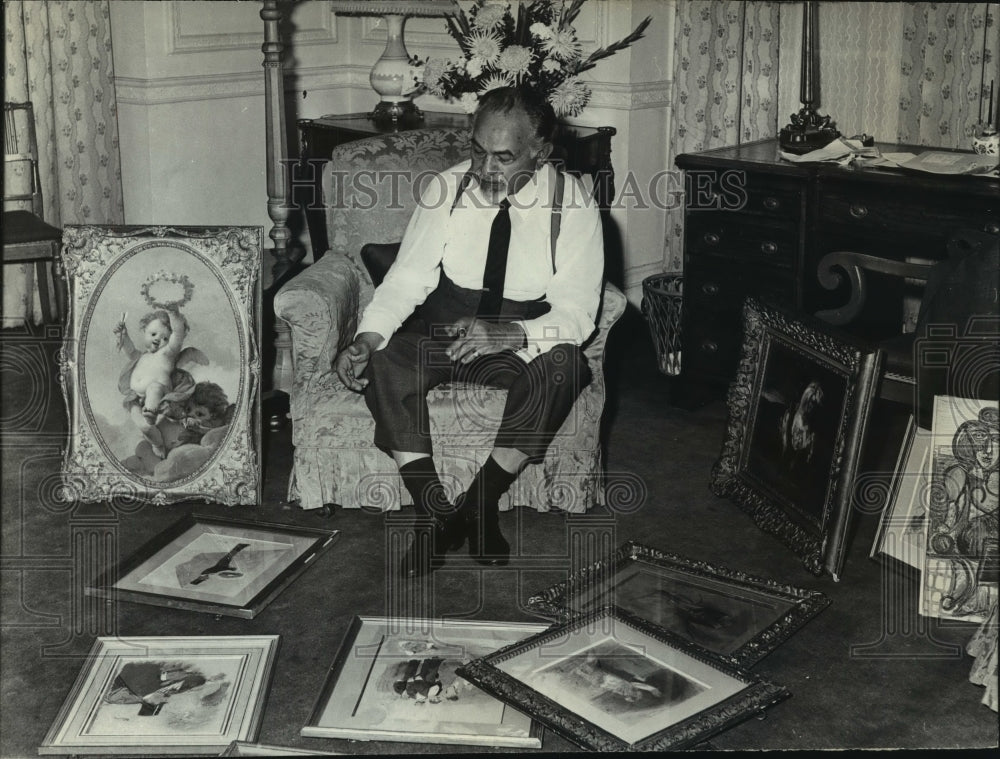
[
  {"x": 487, "y": 545},
  {"x": 425, "y": 553}
]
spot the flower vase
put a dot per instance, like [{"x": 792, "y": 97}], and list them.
[{"x": 391, "y": 77}]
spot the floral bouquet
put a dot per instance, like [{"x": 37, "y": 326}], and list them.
[{"x": 534, "y": 46}]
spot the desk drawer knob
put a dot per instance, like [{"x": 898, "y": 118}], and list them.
[
  {"x": 858, "y": 211},
  {"x": 771, "y": 203},
  {"x": 769, "y": 248},
  {"x": 710, "y": 288},
  {"x": 711, "y": 238},
  {"x": 710, "y": 346}
]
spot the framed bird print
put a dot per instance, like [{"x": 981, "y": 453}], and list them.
[
  {"x": 798, "y": 412},
  {"x": 161, "y": 365},
  {"x": 165, "y": 696},
  {"x": 214, "y": 565}
]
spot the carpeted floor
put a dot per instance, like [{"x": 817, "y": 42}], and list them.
[{"x": 866, "y": 673}]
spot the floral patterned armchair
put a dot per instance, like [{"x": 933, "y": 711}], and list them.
[{"x": 335, "y": 460}]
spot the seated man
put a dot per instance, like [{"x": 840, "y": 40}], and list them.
[{"x": 505, "y": 308}]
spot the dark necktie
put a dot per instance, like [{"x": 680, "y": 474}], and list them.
[{"x": 496, "y": 264}]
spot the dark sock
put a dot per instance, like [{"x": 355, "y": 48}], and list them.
[
  {"x": 421, "y": 480},
  {"x": 491, "y": 482}
]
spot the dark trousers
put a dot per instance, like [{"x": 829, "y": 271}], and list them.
[{"x": 540, "y": 393}]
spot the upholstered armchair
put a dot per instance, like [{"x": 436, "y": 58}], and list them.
[{"x": 369, "y": 189}]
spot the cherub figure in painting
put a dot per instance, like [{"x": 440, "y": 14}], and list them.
[
  {"x": 206, "y": 409},
  {"x": 154, "y": 376}
]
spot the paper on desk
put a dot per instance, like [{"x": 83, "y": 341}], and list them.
[
  {"x": 839, "y": 151},
  {"x": 940, "y": 162}
]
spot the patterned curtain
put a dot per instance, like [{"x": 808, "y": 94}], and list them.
[
  {"x": 58, "y": 56},
  {"x": 949, "y": 58},
  {"x": 725, "y": 85}
]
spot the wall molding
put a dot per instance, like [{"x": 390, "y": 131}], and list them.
[
  {"x": 631, "y": 97},
  {"x": 197, "y": 87},
  {"x": 182, "y": 41},
  {"x": 591, "y": 37}
]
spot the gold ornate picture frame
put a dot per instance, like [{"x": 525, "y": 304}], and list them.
[
  {"x": 798, "y": 412},
  {"x": 160, "y": 368},
  {"x": 732, "y": 614},
  {"x": 608, "y": 681}
]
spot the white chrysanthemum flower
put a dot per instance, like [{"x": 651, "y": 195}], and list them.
[
  {"x": 551, "y": 64},
  {"x": 515, "y": 61},
  {"x": 483, "y": 45},
  {"x": 540, "y": 30},
  {"x": 570, "y": 97},
  {"x": 495, "y": 82},
  {"x": 563, "y": 44},
  {"x": 489, "y": 16},
  {"x": 474, "y": 66},
  {"x": 469, "y": 101}
]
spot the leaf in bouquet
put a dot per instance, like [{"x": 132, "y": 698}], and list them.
[
  {"x": 459, "y": 29},
  {"x": 569, "y": 14},
  {"x": 607, "y": 52}
]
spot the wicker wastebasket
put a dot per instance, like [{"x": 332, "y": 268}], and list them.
[{"x": 661, "y": 305}]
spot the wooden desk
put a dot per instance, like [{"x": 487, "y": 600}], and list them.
[
  {"x": 757, "y": 225},
  {"x": 582, "y": 149}
]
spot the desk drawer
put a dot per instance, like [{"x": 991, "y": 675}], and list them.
[
  {"x": 735, "y": 190},
  {"x": 713, "y": 313},
  {"x": 722, "y": 288},
  {"x": 732, "y": 235},
  {"x": 847, "y": 209}
]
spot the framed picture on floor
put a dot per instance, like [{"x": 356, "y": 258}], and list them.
[
  {"x": 902, "y": 528},
  {"x": 960, "y": 569},
  {"x": 394, "y": 679},
  {"x": 165, "y": 695},
  {"x": 798, "y": 412},
  {"x": 161, "y": 366},
  {"x": 608, "y": 682},
  {"x": 215, "y": 565},
  {"x": 242, "y": 748},
  {"x": 727, "y": 612}
]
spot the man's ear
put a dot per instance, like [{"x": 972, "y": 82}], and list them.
[{"x": 543, "y": 151}]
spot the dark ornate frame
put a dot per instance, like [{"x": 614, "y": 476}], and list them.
[
  {"x": 757, "y": 696},
  {"x": 859, "y": 364},
  {"x": 558, "y": 602},
  {"x": 104, "y": 585}
]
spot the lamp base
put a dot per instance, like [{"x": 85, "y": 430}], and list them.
[
  {"x": 402, "y": 112},
  {"x": 807, "y": 131}
]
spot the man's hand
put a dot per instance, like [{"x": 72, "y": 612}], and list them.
[
  {"x": 475, "y": 338},
  {"x": 351, "y": 362}
]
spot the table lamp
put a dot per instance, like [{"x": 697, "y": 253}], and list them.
[
  {"x": 391, "y": 75},
  {"x": 808, "y": 130}
]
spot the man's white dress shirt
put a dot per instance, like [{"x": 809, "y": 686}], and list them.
[{"x": 458, "y": 240}]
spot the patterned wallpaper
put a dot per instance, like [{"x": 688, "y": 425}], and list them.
[
  {"x": 949, "y": 57},
  {"x": 58, "y": 55},
  {"x": 725, "y": 85}
]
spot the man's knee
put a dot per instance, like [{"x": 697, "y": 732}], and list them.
[{"x": 565, "y": 364}]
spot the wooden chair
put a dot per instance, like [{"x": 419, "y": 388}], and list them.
[
  {"x": 27, "y": 238},
  {"x": 959, "y": 309}
]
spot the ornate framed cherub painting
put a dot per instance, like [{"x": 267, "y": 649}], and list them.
[{"x": 161, "y": 364}]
